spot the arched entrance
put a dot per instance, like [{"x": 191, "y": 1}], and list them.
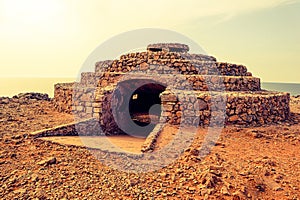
[
  {"x": 145, "y": 104},
  {"x": 136, "y": 106}
]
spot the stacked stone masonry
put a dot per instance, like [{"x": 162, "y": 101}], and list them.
[
  {"x": 63, "y": 93},
  {"x": 188, "y": 86},
  {"x": 240, "y": 108}
]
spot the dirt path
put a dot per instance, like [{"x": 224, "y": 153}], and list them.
[{"x": 118, "y": 143}]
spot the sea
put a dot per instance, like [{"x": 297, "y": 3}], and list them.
[
  {"x": 292, "y": 88},
  {"x": 13, "y": 86}
]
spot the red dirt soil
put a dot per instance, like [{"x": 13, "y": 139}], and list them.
[{"x": 245, "y": 163}]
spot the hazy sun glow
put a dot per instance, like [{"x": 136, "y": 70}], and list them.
[
  {"x": 32, "y": 12},
  {"x": 52, "y": 38}
]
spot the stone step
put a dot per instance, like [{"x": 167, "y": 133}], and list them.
[
  {"x": 182, "y": 49},
  {"x": 175, "y": 66},
  {"x": 199, "y": 57},
  {"x": 169, "y": 47},
  {"x": 194, "y": 82},
  {"x": 166, "y": 55},
  {"x": 192, "y": 89}
]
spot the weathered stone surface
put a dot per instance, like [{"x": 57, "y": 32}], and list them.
[
  {"x": 183, "y": 75},
  {"x": 171, "y": 47},
  {"x": 202, "y": 104},
  {"x": 233, "y": 118},
  {"x": 63, "y": 94}
]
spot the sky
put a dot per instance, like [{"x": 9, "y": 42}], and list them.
[{"x": 53, "y": 38}]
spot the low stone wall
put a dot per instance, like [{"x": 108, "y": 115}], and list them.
[
  {"x": 241, "y": 108},
  {"x": 246, "y": 109},
  {"x": 88, "y": 127},
  {"x": 223, "y": 83},
  {"x": 84, "y": 102},
  {"x": 63, "y": 93}
]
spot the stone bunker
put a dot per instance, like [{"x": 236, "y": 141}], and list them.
[{"x": 167, "y": 84}]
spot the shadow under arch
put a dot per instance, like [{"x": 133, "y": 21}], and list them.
[{"x": 136, "y": 105}]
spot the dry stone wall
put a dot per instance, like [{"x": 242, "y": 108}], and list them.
[
  {"x": 240, "y": 108},
  {"x": 168, "y": 47},
  {"x": 171, "y": 62},
  {"x": 196, "y": 82},
  {"x": 171, "y": 66},
  {"x": 99, "y": 79},
  {"x": 63, "y": 94},
  {"x": 89, "y": 127}
]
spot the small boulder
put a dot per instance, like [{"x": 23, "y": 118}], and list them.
[
  {"x": 234, "y": 118},
  {"x": 48, "y": 161}
]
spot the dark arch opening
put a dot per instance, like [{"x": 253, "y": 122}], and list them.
[
  {"x": 145, "y": 104},
  {"x": 155, "y": 49},
  {"x": 136, "y": 106}
]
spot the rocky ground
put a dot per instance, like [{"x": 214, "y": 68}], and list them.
[{"x": 246, "y": 163}]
